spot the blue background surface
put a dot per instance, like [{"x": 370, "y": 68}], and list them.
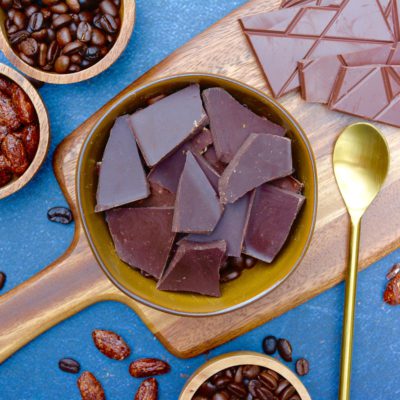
[{"x": 28, "y": 242}]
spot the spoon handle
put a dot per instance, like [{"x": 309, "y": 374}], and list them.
[{"x": 349, "y": 308}]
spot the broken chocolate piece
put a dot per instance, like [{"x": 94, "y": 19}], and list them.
[
  {"x": 195, "y": 268},
  {"x": 143, "y": 237},
  {"x": 122, "y": 179},
  {"x": 161, "y": 127},
  {"x": 167, "y": 172},
  {"x": 211, "y": 156},
  {"x": 231, "y": 227},
  {"x": 261, "y": 158},
  {"x": 289, "y": 183},
  {"x": 231, "y": 123},
  {"x": 209, "y": 171},
  {"x": 197, "y": 207},
  {"x": 272, "y": 215},
  {"x": 159, "y": 197}
]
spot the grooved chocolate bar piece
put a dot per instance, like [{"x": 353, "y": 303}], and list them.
[
  {"x": 195, "y": 268},
  {"x": 143, "y": 237},
  {"x": 318, "y": 76},
  {"x": 167, "y": 172},
  {"x": 281, "y": 38},
  {"x": 197, "y": 207},
  {"x": 261, "y": 158},
  {"x": 231, "y": 123},
  {"x": 272, "y": 215},
  {"x": 371, "y": 92},
  {"x": 161, "y": 127},
  {"x": 122, "y": 179},
  {"x": 231, "y": 227}
]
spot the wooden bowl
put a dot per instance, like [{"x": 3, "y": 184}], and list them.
[
  {"x": 127, "y": 15},
  {"x": 253, "y": 283},
  {"x": 44, "y": 128},
  {"x": 240, "y": 358}
]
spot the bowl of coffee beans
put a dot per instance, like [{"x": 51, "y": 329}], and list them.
[
  {"x": 24, "y": 131},
  {"x": 66, "y": 41},
  {"x": 244, "y": 375}
]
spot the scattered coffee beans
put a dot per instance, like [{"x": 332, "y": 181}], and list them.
[
  {"x": 285, "y": 349},
  {"x": 148, "y": 390},
  {"x": 69, "y": 365},
  {"x": 146, "y": 367},
  {"x": 302, "y": 367},
  {"x": 3, "y": 278},
  {"x": 62, "y": 36},
  {"x": 62, "y": 215},
  {"x": 89, "y": 387},
  {"x": 19, "y": 131},
  {"x": 269, "y": 345},
  {"x": 246, "y": 382},
  {"x": 111, "y": 344},
  {"x": 234, "y": 266}
]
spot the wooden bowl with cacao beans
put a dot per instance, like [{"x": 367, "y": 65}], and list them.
[
  {"x": 65, "y": 41},
  {"x": 24, "y": 131}
]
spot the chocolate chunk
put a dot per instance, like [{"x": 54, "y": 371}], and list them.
[
  {"x": 159, "y": 197},
  {"x": 142, "y": 236},
  {"x": 260, "y": 159},
  {"x": 208, "y": 170},
  {"x": 282, "y": 38},
  {"x": 272, "y": 215},
  {"x": 197, "y": 207},
  {"x": 211, "y": 156},
  {"x": 231, "y": 227},
  {"x": 122, "y": 179},
  {"x": 289, "y": 183},
  {"x": 357, "y": 86},
  {"x": 167, "y": 172},
  {"x": 161, "y": 127},
  {"x": 231, "y": 123},
  {"x": 195, "y": 268}
]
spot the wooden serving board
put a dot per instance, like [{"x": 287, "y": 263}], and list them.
[{"x": 55, "y": 294}]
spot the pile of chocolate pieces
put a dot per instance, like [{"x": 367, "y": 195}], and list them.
[
  {"x": 343, "y": 53},
  {"x": 216, "y": 183}
]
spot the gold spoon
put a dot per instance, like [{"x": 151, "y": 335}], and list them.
[{"x": 361, "y": 162}]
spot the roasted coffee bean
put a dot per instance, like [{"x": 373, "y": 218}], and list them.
[
  {"x": 92, "y": 54},
  {"x": 148, "y": 390},
  {"x": 88, "y": 4},
  {"x": 84, "y": 32},
  {"x": 18, "y": 37},
  {"x": 97, "y": 21},
  {"x": 90, "y": 388},
  {"x": 207, "y": 389},
  {"x": 108, "y": 7},
  {"x": 249, "y": 262},
  {"x": 268, "y": 380},
  {"x": 220, "y": 382},
  {"x": 263, "y": 393},
  {"x": 60, "y": 8},
  {"x": 35, "y": 22},
  {"x": 302, "y": 367},
  {"x": 269, "y": 345},
  {"x": 285, "y": 349},
  {"x": 73, "y": 5},
  {"x": 40, "y": 35},
  {"x": 63, "y": 36},
  {"x": 223, "y": 395},
  {"x": 229, "y": 275},
  {"x": 19, "y": 19},
  {"x": 111, "y": 344},
  {"x": 29, "y": 47},
  {"x": 108, "y": 23},
  {"x": 395, "y": 270},
  {"x": 14, "y": 150},
  {"x": 53, "y": 52},
  {"x": 251, "y": 371},
  {"x": 238, "y": 389},
  {"x": 42, "y": 58},
  {"x": 146, "y": 367},
  {"x": 3, "y": 278},
  {"x": 62, "y": 21},
  {"x": 76, "y": 59},
  {"x": 6, "y": 4},
  {"x": 86, "y": 16},
  {"x": 49, "y": 2},
  {"x": 98, "y": 37},
  {"x": 238, "y": 262},
  {"x": 30, "y": 10},
  {"x": 28, "y": 60},
  {"x": 61, "y": 215},
  {"x": 62, "y": 64},
  {"x": 287, "y": 393},
  {"x": 73, "y": 48},
  {"x": 282, "y": 385},
  {"x": 74, "y": 68},
  {"x": 69, "y": 365}
]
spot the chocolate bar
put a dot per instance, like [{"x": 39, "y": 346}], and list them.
[
  {"x": 122, "y": 179},
  {"x": 313, "y": 32},
  {"x": 195, "y": 268},
  {"x": 289, "y": 183},
  {"x": 159, "y": 197},
  {"x": 371, "y": 92},
  {"x": 161, "y": 127},
  {"x": 261, "y": 158},
  {"x": 231, "y": 123}
]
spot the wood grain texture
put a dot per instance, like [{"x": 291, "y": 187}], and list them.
[
  {"x": 223, "y": 49},
  {"x": 127, "y": 14}
]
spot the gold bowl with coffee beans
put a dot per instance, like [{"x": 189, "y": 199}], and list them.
[
  {"x": 66, "y": 41},
  {"x": 244, "y": 374}
]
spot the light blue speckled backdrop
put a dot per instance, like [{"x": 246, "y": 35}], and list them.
[{"x": 28, "y": 242}]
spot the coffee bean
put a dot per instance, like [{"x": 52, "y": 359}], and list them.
[
  {"x": 42, "y": 58},
  {"x": 61, "y": 215},
  {"x": 18, "y": 37},
  {"x": 86, "y": 16},
  {"x": 62, "y": 64},
  {"x": 63, "y": 36},
  {"x": 229, "y": 275},
  {"x": 264, "y": 393},
  {"x": 35, "y": 22},
  {"x": 29, "y": 47},
  {"x": 73, "y": 5},
  {"x": 40, "y": 35},
  {"x": 84, "y": 32},
  {"x": 69, "y": 365},
  {"x": 3, "y": 278},
  {"x": 268, "y": 380},
  {"x": 60, "y": 8},
  {"x": 53, "y": 52},
  {"x": 269, "y": 345},
  {"x": 98, "y": 37},
  {"x": 74, "y": 68},
  {"x": 238, "y": 262},
  {"x": 61, "y": 21},
  {"x": 287, "y": 393},
  {"x": 51, "y": 35},
  {"x": 249, "y": 262},
  {"x": 251, "y": 371},
  {"x": 285, "y": 349},
  {"x": 108, "y": 23},
  {"x": 97, "y": 21},
  {"x": 92, "y": 54},
  {"x": 302, "y": 367},
  {"x": 108, "y": 7},
  {"x": 88, "y": 4},
  {"x": 27, "y": 59},
  {"x": 19, "y": 19},
  {"x": 76, "y": 59},
  {"x": 238, "y": 389},
  {"x": 73, "y": 48},
  {"x": 6, "y": 4},
  {"x": 33, "y": 8}
]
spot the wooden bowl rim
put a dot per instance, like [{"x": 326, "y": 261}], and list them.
[
  {"x": 190, "y": 76},
  {"x": 128, "y": 8},
  {"x": 44, "y": 129},
  {"x": 240, "y": 358}
]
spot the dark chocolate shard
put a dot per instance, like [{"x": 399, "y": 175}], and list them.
[
  {"x": 143, "y": 237},
  {"x": 159, "y": 197},
  {"x": 261, "y": 158},
  {"x": 231, "y": 123},
  {"x": 122, "y": 179},
  {"x": 272, "y": 215},
  {"x": 167, "y": 172},
  {"x": 195, "y": 268},
  {"x": 197, "y": 207},
  {"x": 231, "y": 227},
  {"x": 289, "y": 183},
  {"x": 212, "y": 175},
  {"x": 211, "y": 156},
  {"x": 163, "y": 126}
]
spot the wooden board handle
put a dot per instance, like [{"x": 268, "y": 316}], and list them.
[{"x": 70, "y": 284}]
